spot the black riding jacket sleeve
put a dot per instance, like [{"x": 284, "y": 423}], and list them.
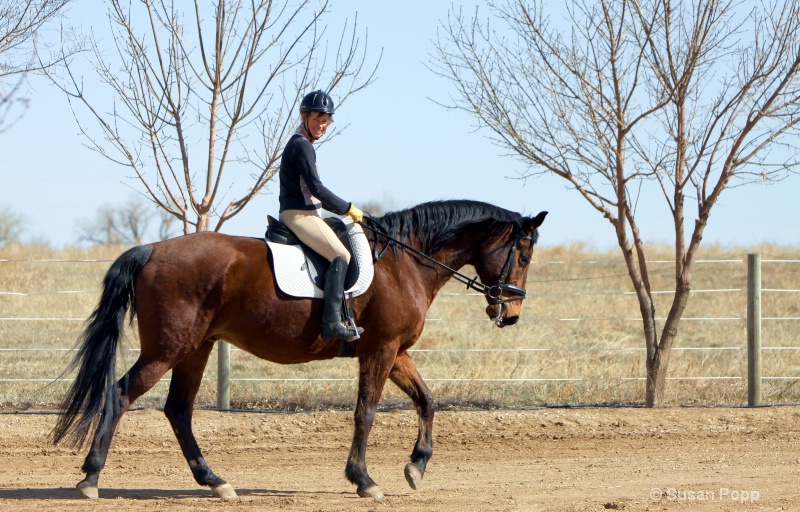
[{"x": 301, "y": 188}]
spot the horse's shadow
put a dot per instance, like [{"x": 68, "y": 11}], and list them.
[{"x": 70, "y": 493}]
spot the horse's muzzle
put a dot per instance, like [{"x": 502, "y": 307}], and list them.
[{"x": 498, "y": 312}]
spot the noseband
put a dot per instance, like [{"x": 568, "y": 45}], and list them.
[{"x": 493, "y": 294}]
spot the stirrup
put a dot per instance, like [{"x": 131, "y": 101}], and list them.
[{"x": 341, "y": 331}]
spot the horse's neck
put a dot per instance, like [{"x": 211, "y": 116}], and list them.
[
  {"x": 454, "y": 256},
  {"x": 433, "y": 277}
]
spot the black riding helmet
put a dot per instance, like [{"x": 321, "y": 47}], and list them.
[{"x": 317, "y": 101}]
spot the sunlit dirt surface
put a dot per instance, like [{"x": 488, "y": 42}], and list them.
[{"x": 583, "y": 459}]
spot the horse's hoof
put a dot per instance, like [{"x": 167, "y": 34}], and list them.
[
  {"x": 372, "y": 491},
  {"x": 413, "y": 476},
  {"x": 88, "y": 490},
  {"x": 225, "y": 491}
]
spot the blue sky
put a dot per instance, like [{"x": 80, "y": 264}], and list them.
[{"x": 400, "y": 149}]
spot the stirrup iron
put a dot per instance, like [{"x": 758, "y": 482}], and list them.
[{"x": 348, "y": 303}]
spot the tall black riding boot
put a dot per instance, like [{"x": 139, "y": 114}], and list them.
[{"x": 332, "y": 325}]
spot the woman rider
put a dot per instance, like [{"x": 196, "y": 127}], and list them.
[{"x": 301, "y": 198}]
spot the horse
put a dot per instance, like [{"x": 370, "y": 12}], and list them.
[{"x": 188, "y": 292}]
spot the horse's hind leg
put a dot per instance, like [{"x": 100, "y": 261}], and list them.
[
  {"x": 141, "y": 377},
  {"x": 186, "y": 379},
  {"x": 405, "y": 375}
]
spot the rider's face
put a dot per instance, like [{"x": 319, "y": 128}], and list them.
[{"x": 318, "y": 123}]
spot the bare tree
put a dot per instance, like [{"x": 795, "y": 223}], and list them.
[
  {"x": 125, "y": 224},
  {"x": 202, "y": 108},
  {"x": 116, "y": 225},
  {"x": 11, "y": 227},
  {"x": 102, "y": 230},
  {"x": 694, "y": 96},
  {"x": 166, "y": 225},
  {"x": 134, "y": 219},
  {"x": 20, "y": 21}
]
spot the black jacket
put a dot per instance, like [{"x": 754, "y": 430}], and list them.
[{"x": 301, "y": 188}]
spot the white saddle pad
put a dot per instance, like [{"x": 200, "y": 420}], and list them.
[{"x": 289, "y": 264}]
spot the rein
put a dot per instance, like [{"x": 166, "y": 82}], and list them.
[{"x": 493, "y": 294}]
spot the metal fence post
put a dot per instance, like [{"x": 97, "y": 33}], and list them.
[
  {"x": 223, "y": 376},
  {"x": 753, "y": 330}
]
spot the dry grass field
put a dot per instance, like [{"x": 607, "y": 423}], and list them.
[{"x": 579, "y": 339}]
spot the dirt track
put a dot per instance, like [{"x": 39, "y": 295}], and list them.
[{"x": 548, "y": 459}]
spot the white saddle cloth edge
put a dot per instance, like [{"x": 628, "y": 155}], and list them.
[{"x": 289, "y": 265}]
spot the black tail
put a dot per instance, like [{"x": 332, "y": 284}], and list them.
[{"x": 93, "y": 397}]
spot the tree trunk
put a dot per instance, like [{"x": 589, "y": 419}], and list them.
[
  {"x": 658, "y": 358},
  {"x": 202, "y": 222},
  {"x": 656, "y": 379}
]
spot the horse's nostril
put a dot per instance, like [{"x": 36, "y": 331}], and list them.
[{"x": 511, "y": 320}]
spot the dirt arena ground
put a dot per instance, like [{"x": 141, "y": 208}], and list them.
[{"x": 584, "y": 459}]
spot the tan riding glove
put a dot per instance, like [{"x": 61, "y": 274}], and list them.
[{"x": 355, "y": 213}]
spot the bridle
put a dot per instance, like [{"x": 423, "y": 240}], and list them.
[{"x": 493, "y": 294}]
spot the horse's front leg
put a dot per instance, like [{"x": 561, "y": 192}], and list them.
[
  {"x": 405, "y": 375},
  {"x": 374, "y": 369}
]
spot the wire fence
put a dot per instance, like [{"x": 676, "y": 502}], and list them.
[{"x": 13, "y": 346}]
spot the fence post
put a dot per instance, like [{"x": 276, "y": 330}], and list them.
[
  {"x": 753, "y": 330},
  {"x": 223, "y": 376}
]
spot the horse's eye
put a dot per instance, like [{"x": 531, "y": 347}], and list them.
[{"x": 524, "y": 259}]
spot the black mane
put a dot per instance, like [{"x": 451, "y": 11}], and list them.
[{"x": 438, "y": 222}]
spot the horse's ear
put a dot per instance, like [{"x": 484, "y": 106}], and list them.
[{"x": 535, "y": 222}]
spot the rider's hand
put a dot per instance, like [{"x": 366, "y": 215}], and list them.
[{"x": 355, "y": 213}]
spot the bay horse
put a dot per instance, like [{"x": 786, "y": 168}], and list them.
[{"x": 189, "y": 292}]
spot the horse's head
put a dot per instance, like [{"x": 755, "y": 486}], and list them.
[
  {"x": 504, "y": 261},
  {"x": 498, "y": 242}
]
